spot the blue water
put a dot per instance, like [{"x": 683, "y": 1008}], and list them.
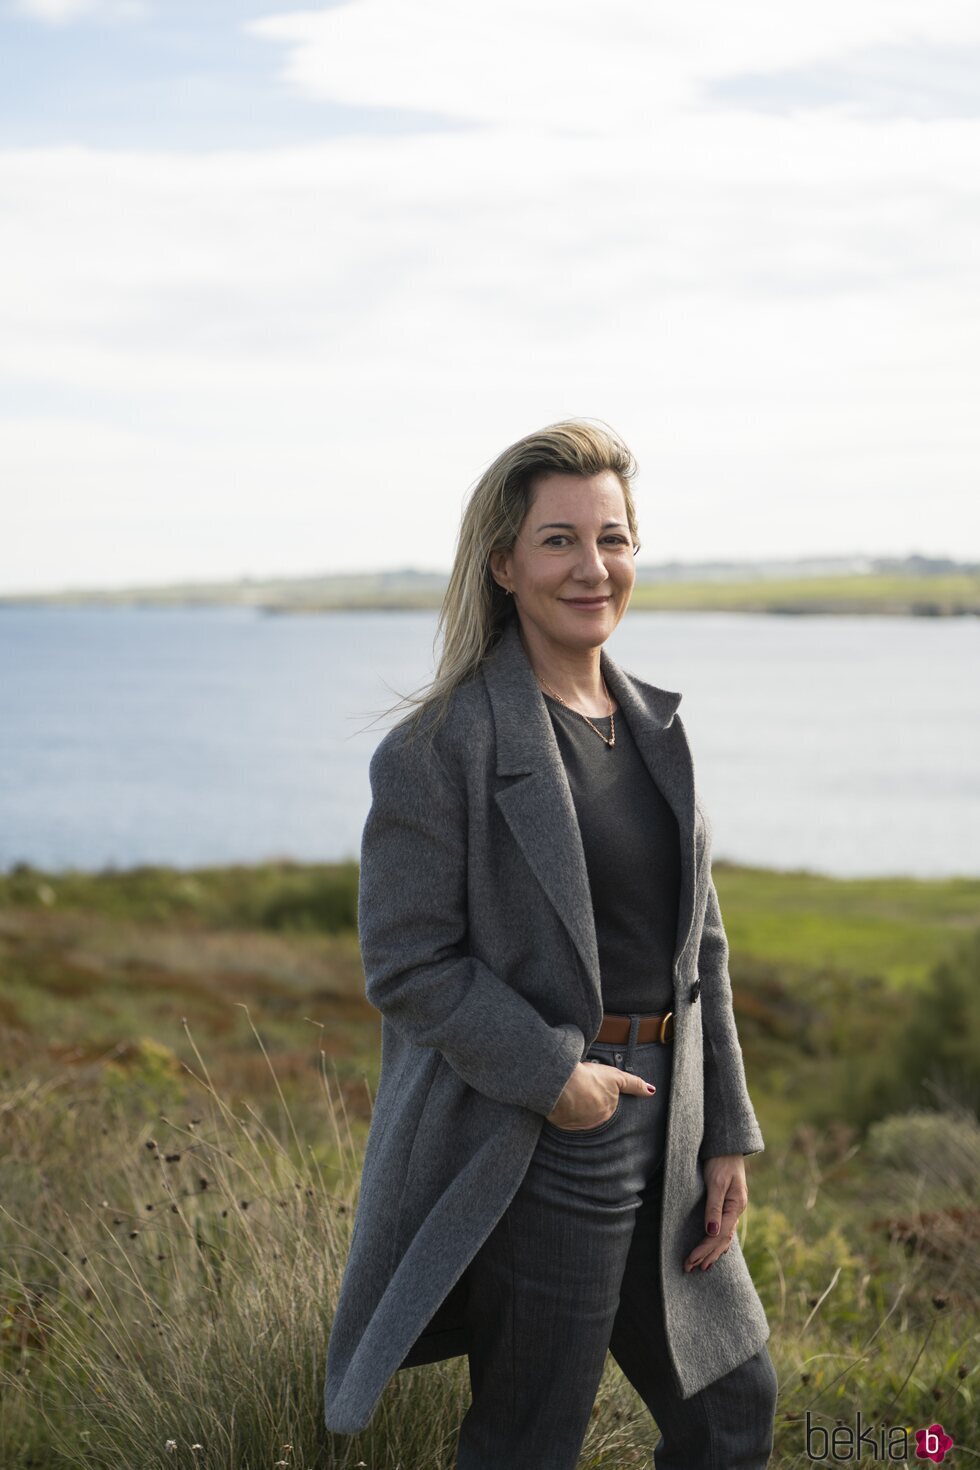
[{"x": 847, "y": 745}]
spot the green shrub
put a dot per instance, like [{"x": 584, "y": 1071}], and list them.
[
  {"x": 313, "y": 902},
  {"x": 787, "y": 1266},
  {"x": 944, "y": 1148},
  {"x": 926, "y": 1048}
]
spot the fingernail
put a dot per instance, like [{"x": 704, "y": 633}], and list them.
[
  {"x": 713, "y": 1227},
  {"x": 650, "y": 1087}
]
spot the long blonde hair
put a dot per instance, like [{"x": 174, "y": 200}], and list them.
[{"x": 475, "y": 607}]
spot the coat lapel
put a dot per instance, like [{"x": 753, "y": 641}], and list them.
[{"x": 539, "y": 808}]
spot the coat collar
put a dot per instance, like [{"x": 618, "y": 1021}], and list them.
[{"x": 539, "y": 808}]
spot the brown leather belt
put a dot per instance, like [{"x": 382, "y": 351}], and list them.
[{"x": 651, "y": 1028}]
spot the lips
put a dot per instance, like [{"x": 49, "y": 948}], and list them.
[{"x": 586, "y": 601}]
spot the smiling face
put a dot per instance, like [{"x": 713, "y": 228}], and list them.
[{"x": 571, "y": 569}]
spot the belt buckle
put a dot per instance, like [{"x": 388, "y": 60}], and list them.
[{"x": 663, "y": 1027}]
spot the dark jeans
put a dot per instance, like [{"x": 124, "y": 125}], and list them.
[{"x": 572, "y": 1270}]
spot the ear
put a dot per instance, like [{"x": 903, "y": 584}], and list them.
[{"x": 500, "y": 567}]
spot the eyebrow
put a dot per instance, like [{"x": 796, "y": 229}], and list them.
[{"x": 568, "y": 526}]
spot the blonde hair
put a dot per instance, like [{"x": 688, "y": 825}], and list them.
[{"x": 475, "y": 607}]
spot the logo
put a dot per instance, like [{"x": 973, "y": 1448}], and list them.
[
  {"x": 932, "y": 1443},
  {"x": 868, "y": 1441}
]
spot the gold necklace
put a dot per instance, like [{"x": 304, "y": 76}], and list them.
[{"x": 609, "y": 739}]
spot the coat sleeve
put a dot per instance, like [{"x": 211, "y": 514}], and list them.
[
  {"x": 412, "y": 920},
  {"x": 730, "y": 1125}
]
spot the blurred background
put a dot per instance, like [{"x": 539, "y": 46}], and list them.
[{"x": 278, "y": 284}]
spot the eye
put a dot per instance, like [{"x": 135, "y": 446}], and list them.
[{"x": 615, "y": 538}]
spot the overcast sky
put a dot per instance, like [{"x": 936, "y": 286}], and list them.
[{"x": 277, "y": 284}]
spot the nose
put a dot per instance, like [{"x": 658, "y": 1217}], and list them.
[{"x": 591, "y": 565}]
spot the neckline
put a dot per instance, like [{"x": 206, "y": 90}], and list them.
[{"x": 577, "y": 713}]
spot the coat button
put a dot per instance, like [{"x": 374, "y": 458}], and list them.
[{"x": 696, "y": 989}]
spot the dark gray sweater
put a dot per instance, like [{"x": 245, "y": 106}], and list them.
[{"x": 632, "y": 853}]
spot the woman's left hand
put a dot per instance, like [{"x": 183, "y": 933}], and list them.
[{"x": 727, "y": 1196}]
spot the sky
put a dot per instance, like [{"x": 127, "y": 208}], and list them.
[{"x": 278, "y": 284}]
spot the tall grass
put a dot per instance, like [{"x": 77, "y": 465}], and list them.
[
  {"x": 168, "y": 1281},
  {"x": 171, "y": 1284}
]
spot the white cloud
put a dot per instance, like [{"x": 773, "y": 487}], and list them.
[
  {"x": 778, "y": 312},
  {"x": 572, "y": 65}
]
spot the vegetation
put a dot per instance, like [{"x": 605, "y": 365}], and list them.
[
  {"x": 315, "y": 898},
  {"x": 909, "y": 588},
  {"x": 867, "y": 592},
  {"x": 187, "y": 1067}
]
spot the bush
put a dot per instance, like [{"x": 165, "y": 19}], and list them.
[
  {"x": 785, "y": 1264},
  {"x": 926, "y": 1049},
  {"x": 313, "y": 902},
  {"x": 940, "y": 1050},
  {"x": 943, "y": 1148}
]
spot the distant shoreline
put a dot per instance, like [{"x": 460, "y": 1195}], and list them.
[{"x": 955, "y": 594}]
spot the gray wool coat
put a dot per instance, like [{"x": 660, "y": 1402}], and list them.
[{"x": 479, "y": 950}]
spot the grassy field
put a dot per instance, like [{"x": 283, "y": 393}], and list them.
[
  {"x": 187, "y": 1065},
  {"x": 938, "y": 596},
  {"x": 945, "y": 594}
]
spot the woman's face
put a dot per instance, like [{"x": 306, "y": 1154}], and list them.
[{"x": 571, "y": 569}]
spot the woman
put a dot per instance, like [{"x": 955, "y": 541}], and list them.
[{"x": 555, "y": 1165}]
